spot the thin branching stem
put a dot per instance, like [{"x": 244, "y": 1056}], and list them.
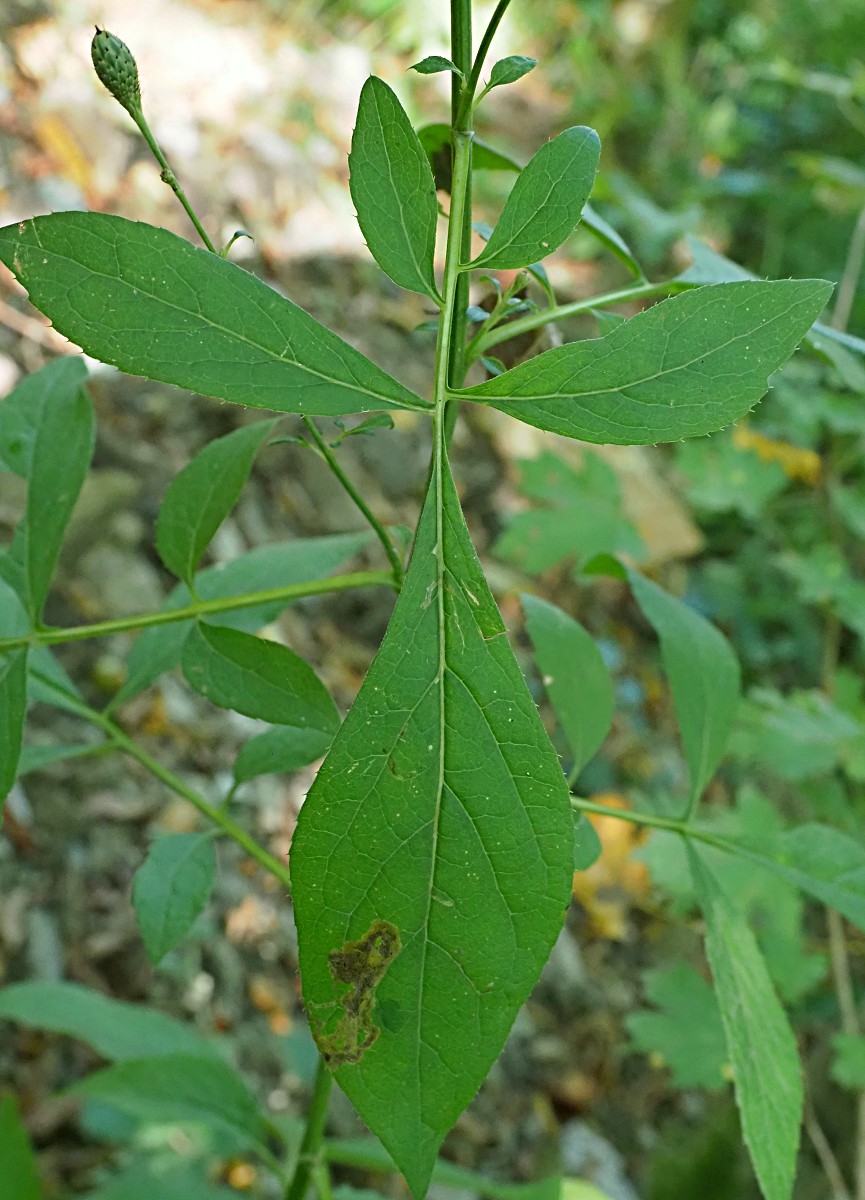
[
  {"x": 326, "y": 452},
  {"x": 197, "y": 609}
]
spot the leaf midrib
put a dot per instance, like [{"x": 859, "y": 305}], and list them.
[
  {"x": 472, "y": 393},
  {"x": 233, "y": 333}
]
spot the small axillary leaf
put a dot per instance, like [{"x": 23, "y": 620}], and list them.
[{"x": 362, "y": 964}]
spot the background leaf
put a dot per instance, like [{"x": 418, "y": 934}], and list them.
[
  {"x": 393, "y": 189},
  {"x": 179, "y": 1088},
  {"x": 766, "y": 1071},
  {"x": 202, "y": 495},
  {"x": 113, "y": 1028},
  {"x": 152, "y": 304},
  {"x": 13, "y": 707},
  {"x": 574, "y": 675},
  {"x": 171, "y": 888},
  {"x": 580, "y": 516},
  {"x": 160, "y": 648},
  {"x": 685, "y": 1030},
  {"x": 704, "y": 677},
  {"x": 587, "y": 844},
  {"x": 257, "y": 678},
  {"x": 17, "y": 1160},
  {"x": 684, "y": 367},
  {"x": 441, "y": 809},
  {"x": 545, "y": 202},
  {"x": 280, "y": 750},
  {"x": 146, "y": 1181}
]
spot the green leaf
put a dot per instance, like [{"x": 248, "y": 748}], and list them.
[
  {"x": 704, "y": 677},
  {"x": 510, "y": 69},
  {"x": 17, "y": 1161},
  {"x": 587, "y": 844},
  {"x": 433, "y": 64},
  {"x": 684, "y": 367},
  {"x": 848, "y": 1066},
  {"x": 202, "y": 495},
  {"x": 545, "y": 202},
  {"x": 257, "y": 678},
  {"x": 574, "y": 675},
  {"x": 46, "y": 436},
  {"x": 797, "y": 735},
  {"x": 368, "y": 1155},
  {"x": 152, "y": 304},
  {"x": 766, "y": 1072},
  {"x": 724, "y": 477},
  {"x": 37, "y": 757},
  {"x": 179, "y": 1088},
  {"x": 825, "y": 863},
  {"x": 160, "y": 648},
  {"x": 171, "y": 888},
  {"x": 393, "y": 190},
  {"x": 149, "y": 1181},
  {"x": 280, "y": 750},
  {"x": 581, "y": 516},
  {"x": 114, "y": 1029},
  {"x": 13, "y": 707},
  {"x": 686, "y": 1030},
  {"x": 611, "y": 239},
  {"x": 22, "y": 410},
  {"x": 436, "y": 141},
  {"x": 437, "y": 838}
]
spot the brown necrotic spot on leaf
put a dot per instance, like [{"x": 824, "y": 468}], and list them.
[{"x": 361, "y": 964}]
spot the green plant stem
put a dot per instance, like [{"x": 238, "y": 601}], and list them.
[
  {"x": 461, "y": 122},
  {"x": 168, "y": 175},
  {"x": 200, "y": 608},
  {"x": 483, "y": 49},
  {"x": 482, "y": 342},
  {"x": 669, "y": 824},
  {"x": 216, "y": 816},
  {"x": 852, "y": 273},
  {"x": 310, "y": 1154},
  {"x": 381, "y": 533}
]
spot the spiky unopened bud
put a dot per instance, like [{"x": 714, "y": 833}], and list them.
[{"x": 116, "y": 68}]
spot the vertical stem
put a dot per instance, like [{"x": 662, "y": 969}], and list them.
[
  {"x": 852, "y": 272},
  {"x": 461, "y": 54},
  {"x": 313, "y": 1135}
]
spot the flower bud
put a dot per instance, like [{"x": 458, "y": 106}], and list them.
[{"x": 116, "y": 68}]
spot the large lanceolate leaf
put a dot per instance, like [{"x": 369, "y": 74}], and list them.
[
  {"x": 545, "y": 203},
  {"x": 432, "y": 861},
  {"x": 704, "y": 677},
  {"x": 686, "y": 366},
  {"x": 393, "y": 189},
  {"x": 153, "y": 304},
  {"x": 761, "y": 1044},
  {"x": 203, "y": 494}
]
